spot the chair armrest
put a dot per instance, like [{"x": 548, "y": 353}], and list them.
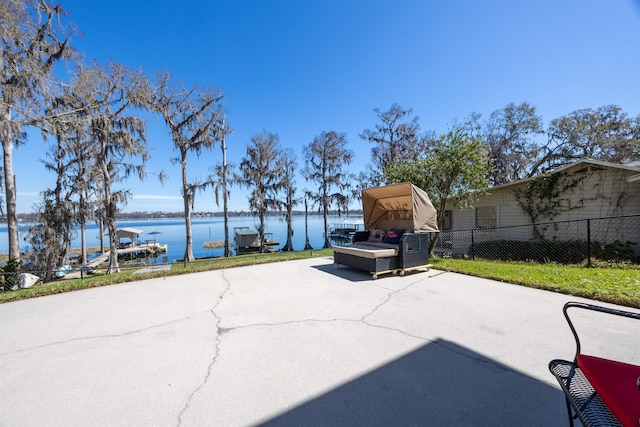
[{"x": 584, "y": 306}]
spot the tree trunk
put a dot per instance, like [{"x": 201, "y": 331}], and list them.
[
  {"x": 225, "y": 201},
  {"x": 188, "y": 251},
  {"x": 83, "y": 239},
  {"x": 110, "y": 211},
  {"x": 307, "y": 244},
  {"x": 113, "y": 240},
  {"x": 288, "y": 247},
  {"x": 101, "y": 230},
  {"x": 261, "y": 232},
  {"x": 187, "y": 196},
  {"x": 82, "y": 219},
  {"x": 325, "y": 212},
  {"x": 10, "y": 192}
]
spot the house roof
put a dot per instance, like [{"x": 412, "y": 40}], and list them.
[{"x": 634, "y": 166}]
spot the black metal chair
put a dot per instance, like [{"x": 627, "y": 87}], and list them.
[{"x": 583, "y": 401}]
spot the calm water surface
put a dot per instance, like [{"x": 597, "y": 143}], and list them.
[{"x": 172, "y": 232}]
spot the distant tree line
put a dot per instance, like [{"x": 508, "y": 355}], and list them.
[{"x": 95, "y": 125}]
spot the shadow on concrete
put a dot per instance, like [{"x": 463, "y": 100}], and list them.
[
  {"x": 439, "y": 384},
  {"x": 357, "y": 275},
  {"x": 345, "y": 272}
]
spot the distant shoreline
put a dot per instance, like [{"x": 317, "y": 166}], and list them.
[{"x": 33, "y": 217}]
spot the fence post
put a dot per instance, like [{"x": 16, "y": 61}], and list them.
[
  {"x": 473, "y": 249},
  {"x": 589, "y": 242}
]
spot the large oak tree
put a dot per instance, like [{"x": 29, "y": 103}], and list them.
[
  {"x": 511, "y": 134},
  {"x": 396, "y": 137},
  {"x": 32, "y": 42}
]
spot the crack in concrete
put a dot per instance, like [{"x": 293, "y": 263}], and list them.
[
  {"x": 216, "y": 353},
  {"x": 362, "y": 319},
  {"x": 97, "y": 337},
  {"x": 387, "y": 299},
  {"x": 439, "y": 274}
]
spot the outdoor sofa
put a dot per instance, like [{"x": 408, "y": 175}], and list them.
[{"x": 399, "y": 219}]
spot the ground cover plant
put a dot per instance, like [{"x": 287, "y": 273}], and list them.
[{"x": 614, "y": 283}]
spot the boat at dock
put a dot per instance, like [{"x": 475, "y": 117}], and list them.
[
  {"x": 247, "y": 241},
  {"x": 129, "y": 248},
  {"x": 345, "y": 229}
]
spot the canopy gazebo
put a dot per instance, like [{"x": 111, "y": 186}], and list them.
[{"x": 403, "y": 205}]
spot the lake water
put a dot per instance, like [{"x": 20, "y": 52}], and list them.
[{"x": 172, "y": 232}]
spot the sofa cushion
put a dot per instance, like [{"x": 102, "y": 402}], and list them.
[
  {"x": 376, "y": 245},
  {"x": 617, "y": 385},
  {"x": 393, "y": 236},
  {"x": 376, "y": 235},
  {"x": 366, "y": 250}
]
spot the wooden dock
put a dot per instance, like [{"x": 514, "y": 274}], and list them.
[{"x": 150, "y": 248}]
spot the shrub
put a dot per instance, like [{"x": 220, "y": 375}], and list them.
[{"x": 564, "y": 252}]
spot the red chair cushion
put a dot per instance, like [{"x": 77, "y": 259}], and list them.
[{"x": 617, "y": 385}]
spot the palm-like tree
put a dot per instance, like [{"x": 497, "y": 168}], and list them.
[
  {"x": 223, "y": 177},
  {"x": 193, "y": 117}
]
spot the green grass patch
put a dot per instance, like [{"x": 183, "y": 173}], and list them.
[{"x": 619, "y": 284}]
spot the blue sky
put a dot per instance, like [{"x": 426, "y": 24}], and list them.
[{"x": 298, "y": 68}]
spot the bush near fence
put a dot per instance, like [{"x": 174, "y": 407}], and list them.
[
  {"x": 614, "y": 239},
  {"x": 569, "y": 252}
]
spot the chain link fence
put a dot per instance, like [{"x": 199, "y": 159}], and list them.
[{"x": 615, "y": 239}]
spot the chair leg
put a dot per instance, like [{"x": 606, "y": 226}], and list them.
[{"x": 569, "y": 412}]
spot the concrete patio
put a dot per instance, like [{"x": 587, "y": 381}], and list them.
[{"x": 288, "y": 344}]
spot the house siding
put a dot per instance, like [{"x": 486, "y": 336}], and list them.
[{"x": 601, "y": 191}]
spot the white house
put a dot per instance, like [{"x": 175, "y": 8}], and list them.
[{"x": 585, "y": 189}]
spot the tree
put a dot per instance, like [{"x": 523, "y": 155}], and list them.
[
  {"x": 325, "y": 159},
  {"x": 393, "y": 139},
  {"x": 510, "y": 134},
  {"x": 454, "y": 168},
  {"x": 307, "y": 243},
  {"x": 117, "y": 137},
  {"x": 57, "y": 213},
  {"x": 261, "y": 172},
  {"x": 606, "y": 133},
  {"x": 194, "y": 119},
  {"x": 290, "y": 166},
  {"x": 85, "y": 186},
  {"x": 32, "y": 42},
  {"x": 68, "y": 203},
  {"x": 224, "y": 177}
]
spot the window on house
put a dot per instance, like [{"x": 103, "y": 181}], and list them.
[
  {"x": 447, "y": 224},
  {"x": 486, "y": 216}
]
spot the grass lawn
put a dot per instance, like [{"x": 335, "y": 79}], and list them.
[{"x": 618, "y": 284}]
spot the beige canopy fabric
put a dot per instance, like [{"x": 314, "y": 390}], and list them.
[{"x": 399, "y": 202}]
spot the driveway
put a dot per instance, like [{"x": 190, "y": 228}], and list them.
[{"x": 288, "y": 344}]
